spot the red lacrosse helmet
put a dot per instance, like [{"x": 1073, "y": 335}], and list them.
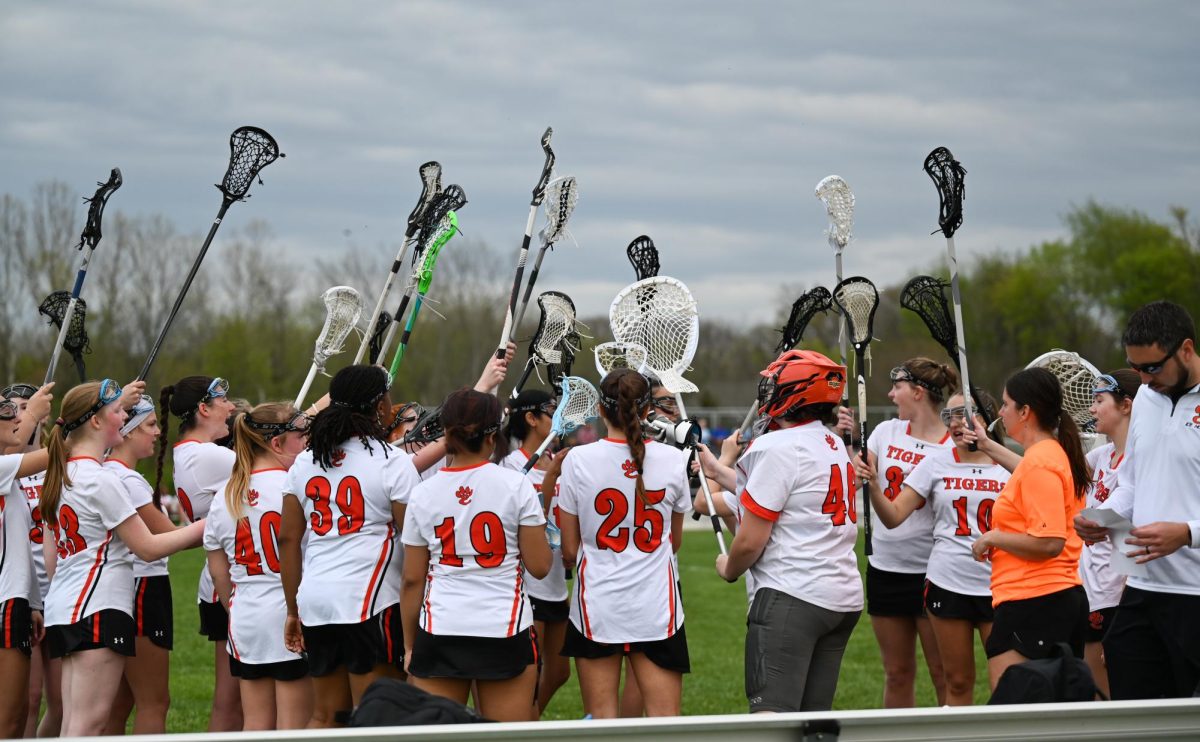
[{"x": 799, "y": 378}]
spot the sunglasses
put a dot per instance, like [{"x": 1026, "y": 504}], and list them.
[
  {"x": 299, "y": 423},
  {"x": 8, "y": 410},
  {"x": 953, "y": 413},
  {"x": 110, "y": 391},
  {"x": 1156, "y": 366},
  {"x": 218, "y": 388},
  {"x": 22, "y": 391}
]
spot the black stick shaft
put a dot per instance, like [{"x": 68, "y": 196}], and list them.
[
  {"x": 863, "y": 432},
  {"x": 187, "y": 284}
]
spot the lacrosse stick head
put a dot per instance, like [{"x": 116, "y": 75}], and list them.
[
  {"x": 556, "y": 321},
  {"x": 615, "y": 355},
  {"x": 446, "y": 228},
  {"x": 431, "y": 186},
  {"x": 578, "y": 405},
  {"x": 949, "y": 177},
  {"x": 427, "y": 429},
  {"x": 54, "y": 307},
  {"x": 857, "y": 299},
  {"x": 799, "y": 378},
  {"x": 660, "y": 315},
  {"x": 91, "y": 230},
  {"x": 561, "y": 196},
  {"x": 567, "y": 348},
  {"x": 839, "y": 204},
  {"x": 343, "y": 307},
  {"x": 817, "y": 299},
  {"x": 375, "y": 344},
  {"x": 539, "y": 190},
  {"x": 250, "y": 150},
  {"x": 433, "y": 219},
  {"x": 1077, "y": 377},
  {"x": 925, "y": 296},
  {"x": 643, "y": 255}
]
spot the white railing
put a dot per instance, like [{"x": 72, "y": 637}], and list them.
[{"x": 1119, "y": 720}]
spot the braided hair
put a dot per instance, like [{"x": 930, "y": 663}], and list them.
[
  {"x": 182, "y": 398},
  {"x": 469, "y": 417},
  {"x": 353, "y": 412},
  {"x": 624, "y": 399}
]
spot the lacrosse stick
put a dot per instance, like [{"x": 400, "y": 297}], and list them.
[
  {"x": 1077, "y": 377},
  {"x": 857, "y": 299},
  {"x": 73, "y": 334},
  {"x": 375, "y": 340},
  {"x": 343, "y": 306},
  {"x": 615, "y": 355},
  {"x": 448, "y": 200},
  {"x": 561, "y": 197},
  {"x": 948, "y": 177},
  {"x": 660, "y": 315},
  {"x": 539, "y": 192},
  {"x": 835, "y": 193},
  {"x": 643, "y": 255},
  {"x": 557, "y": 321},
  {"x": 576, "y": 407},
  {"x": 88, "y": 239},
  {"x": 427, "y": 429},
  {"x": 250, "y": 150},
  {"x": 816, "y": 299},
  {"x": 567, "y": 348},
  {"x": 925, "y": 296},
  {"x": 437, "y": 238},
  {"x": 431, "y": 186}
]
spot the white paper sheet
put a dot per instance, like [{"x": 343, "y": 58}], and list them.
[{"x": 1119, "y": 529}]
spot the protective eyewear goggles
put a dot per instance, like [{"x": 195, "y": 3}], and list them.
[
  {"x": 218, "y": 388},
  {"x": 9, "y": 410},
  {"x": 666, "y": 404},
  {"x": 18, "y": 391},
  {"x": 1156, "y": 366},
  {"x": 953, "y": 413},
  {"x": 110, "y": 391},
  {"x": 901, "y": 373},
  {"x": 299, "y": 423},
  {"x": 1108, "y": 383}
]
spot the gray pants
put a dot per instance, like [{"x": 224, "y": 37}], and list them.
[{"x": 793, "y": 652}]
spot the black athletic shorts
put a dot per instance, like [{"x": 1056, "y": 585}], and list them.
[
  {"x": 290, "y": 670},
  {"x": 1098, "y": 623},
  {"x": 16, "y": 625},
  {"x": 106, "y": 629},
  {"x": 897, "y": 594},
  {"x": 945, "y": 603},
  {"x": 152, "y": 613},
  {"x": 472, "y": 657},
  {"x": 358, "y": 647},
  {"x": 214, "y": 621},
  {"x": 550, "y": 611},
  {"x": 1034, "y": 625},
  {"x": 670, "y": 653}
]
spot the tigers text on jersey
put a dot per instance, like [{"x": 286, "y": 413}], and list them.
[
  {"x": 906, "y": 547},
  {"x": 961, "y": 495},
  {"x": 554, "y": 586},
  {"x": 1101, "y": 582},
  {"x": 95, "y": 567},
  {"x": 625, "y": 579},
  {"x": 801, "y": 479},
  {"x": 31, "y": 486},
  {"x": 351, "y": 568},
  {"x": 140, "y": 493},
  {"x": 257, "y": 610},
  {"x": 469, "y": 520},
  {"x": 17, "y": 576},
  {"x": 201, "y": 470}
]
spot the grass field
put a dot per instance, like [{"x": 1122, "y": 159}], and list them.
[{"x": 716, "y": 616}]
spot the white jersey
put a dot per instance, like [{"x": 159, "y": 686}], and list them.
[
  {"x": 1101, "y": 582},
  {"x": 801, "y": 480},
  {"x": 17, "y": 576},
  {"x": 257, "y": 610},
  {"x": 906, "y": 547},
  {"x": 351, "y": 568},
  {"x": 31, "y": 486},
  {"x": 962, "y": 495},
  {"x": 139, "y": 493},
  {"x": 553, "y": 587},
  {"x": 1158, "y": 483},
  {"x": 469, "y": 519},
  {"x": 201, "y": 470},
  {"x": 733, "y": 503},
  {"x": 625, "y": 579},
  {"x": 95, "y": 567}
]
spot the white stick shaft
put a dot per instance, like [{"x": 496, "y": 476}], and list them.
[
  {"x": 960, "y": 335},
  {"x": 62, "y": 339},
  {"x": 506, "y": 335},
  {"x": 843, "y": 330},
  {"x": 708, "y": 500},
  {"x": 312, "y": 375},
  {"x": 383, "y": 295}
]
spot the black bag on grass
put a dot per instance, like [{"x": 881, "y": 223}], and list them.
[
  {"x": 1060, "y": 678},
  {"x": 391, "y": 703}
]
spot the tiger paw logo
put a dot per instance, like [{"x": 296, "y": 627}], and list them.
[
  {"x": 831, "y": 442},
  {"x": 1196, "y": 419},
  {"x": 337, "y": 457},
  {"x": 1096, "y": 620},
  {"x": 252, "y": 498},
  {"x": 629, "y": 469},
  {"x": 464, "y": 495}
]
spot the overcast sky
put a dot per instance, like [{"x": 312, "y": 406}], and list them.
[{"x": 705, "y": 125}]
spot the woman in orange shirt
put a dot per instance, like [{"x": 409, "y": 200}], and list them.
[{"x": 1036, "y": 591}]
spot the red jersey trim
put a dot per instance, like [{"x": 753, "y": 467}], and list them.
[
  {"x": 93, "y": 577},
  {"x": 512, "y": 619},
  {"x": 587, "y": 623},
  {"x": 465, "y": 468},
  {"x": 671, "y": 598},
  {"x": 186, "y": 440},
  {"x": 122, "y": 463},
  {"x": 762, "y": 512},
  {"x": 84, "y": 458},
  {"x": 428, "y": 603},
  {"x": 385, "y": 555},
  {"x": 622, "y": 441},
  {"x": 269, "y": 468}
]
